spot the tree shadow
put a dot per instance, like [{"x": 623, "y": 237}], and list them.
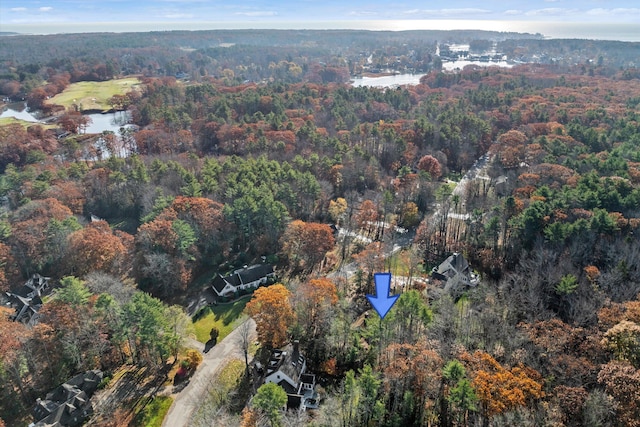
[
  {"x": 177, "y": 388},
  {"x": 209, "y": 345}
]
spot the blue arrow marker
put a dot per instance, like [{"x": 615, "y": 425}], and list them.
[{"x": 383, "y": 301}]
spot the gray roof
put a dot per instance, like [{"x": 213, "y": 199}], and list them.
[
  {"x": 68, "y": 404},
  {"x": 33, "y": 287},
  {"x": 255, "y": 272},
  {"x": 287, "y": 387},
  {"x": 288, "y": 361},
  {"x": 456, "y": 263},
  {"x": 242, "y": 276}
]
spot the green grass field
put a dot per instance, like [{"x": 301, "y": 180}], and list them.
[
  {"x": 5, "y": 121},
  {"x": 225, "y": 317},
  {"x": 399, "y": 263},
  {"x": 94, "y": 95},
  {"x": 230, "y": 375},
  {"x": 399, "y": 266},
  {"x": 153, "y": 413}
]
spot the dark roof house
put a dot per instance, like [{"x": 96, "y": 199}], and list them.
[
  {"x": 27, "y": 300},
  {"x": 246, "y": 278},
  {"x": 68, "y": 405}
]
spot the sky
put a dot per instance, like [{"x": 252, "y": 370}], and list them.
[{"x": 179, "y": 14}]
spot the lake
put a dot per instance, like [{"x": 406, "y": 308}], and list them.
[
  {"x": 99, "y": 122},
  {"x": 414, "y": 79},
  {"x": 19, "y": 111}
]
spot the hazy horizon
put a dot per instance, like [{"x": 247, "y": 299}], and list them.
[
  {"x": 555, "y": 30},
  {"x": 610, "y": 20}
]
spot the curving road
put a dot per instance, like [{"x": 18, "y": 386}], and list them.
[{"x": 186, "y": 401}]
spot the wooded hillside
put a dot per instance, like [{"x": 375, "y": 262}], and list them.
[{"x": 224, "y": 169}]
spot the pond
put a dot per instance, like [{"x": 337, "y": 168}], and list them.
[
  {"x": 397, "y": 80},
  {"x": 108, "y": 122},
  {"x": 99, "y": 122},
  {"x": 19, "y": 111}
]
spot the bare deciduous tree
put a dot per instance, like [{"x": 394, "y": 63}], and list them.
[{"x": 245, "y": 337}]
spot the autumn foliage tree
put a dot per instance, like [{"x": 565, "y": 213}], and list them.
[
  {"x": 9, "y": 273},
  {"x": 206, "y": 219},
  {"x": 501, "y": 389},
  {"x": 366, "y": 217},
  {"x": 306, "y": 243},
  {"x": 69, "y": 194},
  {"x": 96, "y": 248},
  {"x": 622, "y": 382},
  {"x": 412, "y": 381},
  {"x": 431, "y": 165},
  {"x": 623, "y": 340},
  {"x": 165, "y": 250},
  {"x": 14, "y": 378},
  {"x": 314, "y": 298},
  {"x": 16, "y": 143},
  {"x": 512, "y": 144},
  {"x": 271, "y": 309},
  {"x": 39, "y": 234}
]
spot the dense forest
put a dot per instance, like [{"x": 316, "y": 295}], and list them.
[{"x": 248, "y": 146}]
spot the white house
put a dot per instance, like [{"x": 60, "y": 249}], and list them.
[
  {"x": 287, "y": 368},
  {"x": 247, "y": 278}
]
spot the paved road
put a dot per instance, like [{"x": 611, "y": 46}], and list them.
[{"x": 190, "y": 398}]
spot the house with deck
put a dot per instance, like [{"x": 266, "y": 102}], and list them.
[{"x": 287, "y": 368}]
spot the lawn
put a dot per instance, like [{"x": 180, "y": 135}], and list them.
[
  {"x": 153, "y": 413},
  {"x": 225, "y": 317},
  {"x": 399, "y": 263},
  {"x": 94, "y": 95},
  {"x": 230, "y": 375},
  {"x": 4, "y": 121}
]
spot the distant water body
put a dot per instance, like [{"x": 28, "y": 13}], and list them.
[{"x": 623, "y": 31}]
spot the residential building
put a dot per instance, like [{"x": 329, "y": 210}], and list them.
[
  {"x": 288, "y": 368},
  {"x": 68, "y": 405},
  {"x": 27, "y": 300},
  {"x": 456, "y": 273},
  {"x": 244, "y": 279}
]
